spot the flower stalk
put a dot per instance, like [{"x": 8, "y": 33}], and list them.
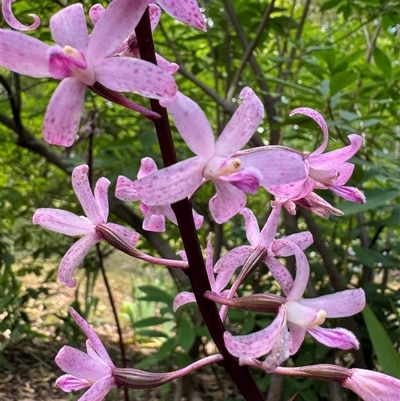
[{"x": 197, "y": 272}]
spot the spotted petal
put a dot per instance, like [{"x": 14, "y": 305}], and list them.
[{"x": 64, "y": 113}]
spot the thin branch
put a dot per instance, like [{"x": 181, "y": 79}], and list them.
[
  {"x": 293, "y": 50},
  {"x": 268, "y": 100},
  {"x": 249, "y": 50}
]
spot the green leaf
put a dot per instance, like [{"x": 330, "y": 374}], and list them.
[
  {"x": 375, "y": 198},
  {"x": 387, "y": 356},
  {"x": 155, "y": 294},
  {"x": 186, "y": 334},
  {"x": 153, "y": 333},
  {"x": 330, "y": 4},
  {"x": 383, "y": 62},
  {"x": 150, "y": 321},
  {"x": 341, "y": 80}
]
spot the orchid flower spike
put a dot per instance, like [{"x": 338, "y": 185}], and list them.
[
  {"x": 154, "y": 219},
  {"x": 298, "y": 316},
  {"x": 129, "y": 48},
  {"x": 95, "y": 207},
  {"x": 216, "y": 284},
  {"x": 6, "y": 8},
  {"x": 80, "y": 60},
  {"x": 93, "y": 369},
  {"x": 325, "y": 171},
  {"x": 214, "y": 161}
]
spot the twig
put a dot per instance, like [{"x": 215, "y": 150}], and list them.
[{"x": 249, "y": 50}]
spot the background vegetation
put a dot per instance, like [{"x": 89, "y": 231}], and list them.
[{"x": 340, "y": 57}]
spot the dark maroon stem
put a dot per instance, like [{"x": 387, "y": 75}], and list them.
[{"x": 197, "y": 271}]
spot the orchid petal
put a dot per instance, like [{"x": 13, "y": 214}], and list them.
[
  {"x": 172, "y": 183},
  {"x": 278, "y": 165},
  {"x": 62, "y": 221},
  {"x": 296, "y": 338},
  {"x": 167, "y": 211},
  {"x": 101, "y": 197},
  {"x": 338, "y": 156},
  {"x": 95, "y": 12},
  {"x": 80, "y": 364},
  {"x": 99, "y": 389},
  {"x": 183, "y": 298},
  {"x": 210, "y": 262},
  {"x": 255, "y": 344},
  {"x": 13, "y": 22},
  {"x": 126, "y": 74},
  {"x": 114, "y": 26},
  {"x": 130, "y": 236},
  {"x": 242, "y": 125},
  {"x": 227, "y": 202},
  {"x": 74, "y": 256},
  {"x": 125, "y": 190},
  {"x": 302, "y": 274},
  {"x": 247, "y": 180},
  {"x": 252, "y": 229},
  {"x": 64, "y": 112},
  {"x": 304, "y": 316},
  {"x": 186, "y": 11},
  {"x": 233, "y": 259},
  {"x": 155, "y": 16},
  {"x": 153, "y": 220},
  {"x": 62, "y": 65},
  {"x": 320, "y": 121},
  {"x": 31, "y": 61},
  {"x": 341, "y": 304},
  {"x": 267, "y": 234},
  {"x": 345, "y": 171},
  {"x": 372, "y": 386},
  {"x": 92, "y": 336},
  {"x": 351, "y": 194},
  {"x": 303, "y": 240},
  {"x": 279, "y": 352},
  {"x": 81, "y": 185},
  {"x": 193, "y": 125},
  {"x": 318, "y": 205},
  {"x": 147, "y": 166},
  {"x": 280, "y": 273},
  {"x": 335, "y": 338},
  {"x": 68, "y": 27},
  {"x": 70, "y": 383},
  {"x": 227, "y": 265},
  {"x": 166, "y": 65}
]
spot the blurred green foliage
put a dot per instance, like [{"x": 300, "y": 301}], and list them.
[{"x": 340, "y": 57}]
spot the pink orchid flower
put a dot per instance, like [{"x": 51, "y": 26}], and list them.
[
  {"x": 93, "y": 369},
  {"x": 298, "y": 316},
  {"x": 96, "y": 209},
  {"x": 372, "y": 386},
  {"x": 325, "y": 171},
  {"x": 154, "y": 219},
  {"x": 264, "y": 243},
  {"x": 217, "y": 284},
  {"x": 214, "y": 161},
  {"x": 80, "y": 60},
  {"x": 129, "y": 48}
]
